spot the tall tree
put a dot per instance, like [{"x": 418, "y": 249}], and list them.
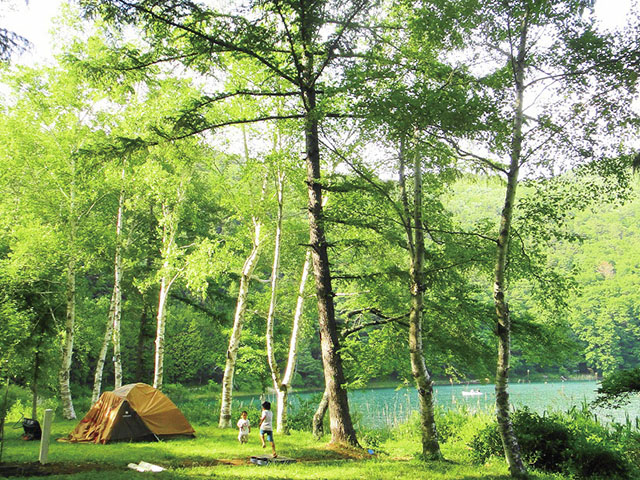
[
  {"x": 415, "y": 240},
  {"x": 308, "y": 36},
  {"x": 282, "y": 381},
  {"x": 559, "y": 103},
  {"x": 112, "y": 329},
  {"x": 238, "y": 318}
]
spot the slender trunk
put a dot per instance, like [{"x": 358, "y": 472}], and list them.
[
  {"x": 97, "y": 377},
  {"x": 342, "y": 430},
  {"x": 430, "y": 445},
  {"x": 238, "y": 322},
  {"x": 282, "y": 399},
  {"x": 293, "y": 350},
  {"x": 117, "y": 289},
  {"x": 67, "y": 349},
  {"x": 158, "y": 372},
  {"x": 318, "y": 417},
  {"x": 505, "y": 426},
  {"x": 169, "y": 229},
  {"x": 271, "y": 357}
]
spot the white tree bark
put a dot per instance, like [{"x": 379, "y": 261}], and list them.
[
  {"x": 505, "y": 426},
  {"x": 67, "y": 349},
  {"x": 112, "y": 330},
  {"x": 415, "y": 238},
  {"x": 285, "y": 386},
  {"x": 97, "y": 377},
  {"x": 169, "y": 230},
  {"x": 238, "y": 321},
  {"x": 117, "y": 289},
  {"x": 271, "y": 357},
  {"x": 160, "y": 327}
]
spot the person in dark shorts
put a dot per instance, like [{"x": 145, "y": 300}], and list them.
[{"x": 266, "y": 427}]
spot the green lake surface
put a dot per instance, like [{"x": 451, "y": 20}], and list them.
[{"x": 387, "y": 407}]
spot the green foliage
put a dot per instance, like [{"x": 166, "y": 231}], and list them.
[
  {"x": 80, "y": 122},
  {"x": 17, "y": 399},
  {"x": 300, "y": 414},
  {"x": 572, "y": 443},
  {"x": 594, "y": 461},
  {"x": 616, "y": 389},
  {"x": 486, "y": 443}
]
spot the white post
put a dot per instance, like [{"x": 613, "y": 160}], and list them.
[{"x": 46, "y": 432}]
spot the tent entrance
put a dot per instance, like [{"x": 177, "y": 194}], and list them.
[{"x": 129, "y": 426}]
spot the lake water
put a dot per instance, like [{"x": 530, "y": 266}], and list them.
[{"x": 386, "y": 407}]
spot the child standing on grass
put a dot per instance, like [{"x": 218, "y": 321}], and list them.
[
  {"x": 266, "y": 427},
  {"x": 244, "y": 427}
]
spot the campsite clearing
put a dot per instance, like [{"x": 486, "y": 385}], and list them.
[{"x": 216, "y": 452}]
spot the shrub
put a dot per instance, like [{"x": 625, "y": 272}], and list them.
[
  {"x": 460, "y": 424},
  {"x": 14, "y": 395},
  {"x": 202, "y": 412},
  {"x": 486, "y": 443},
  {"x": 573, "y": 444},
  {"x": 597, "y": 461},
  {"x": 176, "y": 392},
  {"x": 300, "y": 415},
  {"x": 374, "y": 438},
  {"x": 409, "y": 429},
  {"x": 545, "y": 441}
]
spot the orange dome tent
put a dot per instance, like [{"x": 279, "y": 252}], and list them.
[{"x": 131, "y": 412}]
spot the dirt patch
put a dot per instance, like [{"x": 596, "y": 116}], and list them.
[
  {"x": 211, "y": 463},
  {"x": 347, "y": 452},
  {"x": 35, "y": 469}
]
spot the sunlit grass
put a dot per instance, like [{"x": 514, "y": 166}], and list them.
[{"x": 216, "y": 453}]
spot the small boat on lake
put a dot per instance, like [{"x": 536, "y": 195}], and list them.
[{"x": 471, "y": 393}]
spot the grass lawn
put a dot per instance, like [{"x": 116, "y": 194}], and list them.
[{"x": 215, "y": 453}]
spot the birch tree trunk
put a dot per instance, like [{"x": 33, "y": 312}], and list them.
[
  {"x": 117, "y": 288},
  {"x": 112, "y": 330},
  {"x": 282, "y": 384},
  {"x": 271, "y": 357},
  {"x": 67, "y": 348},
  {"x": 238, "y": 322},
  {"x": 158, "y": 372},
  {"x": 415, "y": 234},
  {"x": 285, "y": 386},
  {"x": 505, "y": 426},
  {"x": 166, "y": 280},
  {"x": 145, "y": 318},
  {"x": 97, "y": 377}
]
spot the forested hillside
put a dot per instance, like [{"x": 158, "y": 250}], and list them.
[{"x": 600, "y": 326}]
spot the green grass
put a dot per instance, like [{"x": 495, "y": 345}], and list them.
[{"x": 216, "y": 453}]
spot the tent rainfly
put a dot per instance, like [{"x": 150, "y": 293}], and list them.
[{"x": 131, "y": 412}]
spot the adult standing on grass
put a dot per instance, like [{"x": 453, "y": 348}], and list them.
[{"x": 266, "y": 427}]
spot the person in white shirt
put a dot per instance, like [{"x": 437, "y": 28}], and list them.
[
  {"x": 266, "y": 427},
  {"x": 244, "y": 427}
]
